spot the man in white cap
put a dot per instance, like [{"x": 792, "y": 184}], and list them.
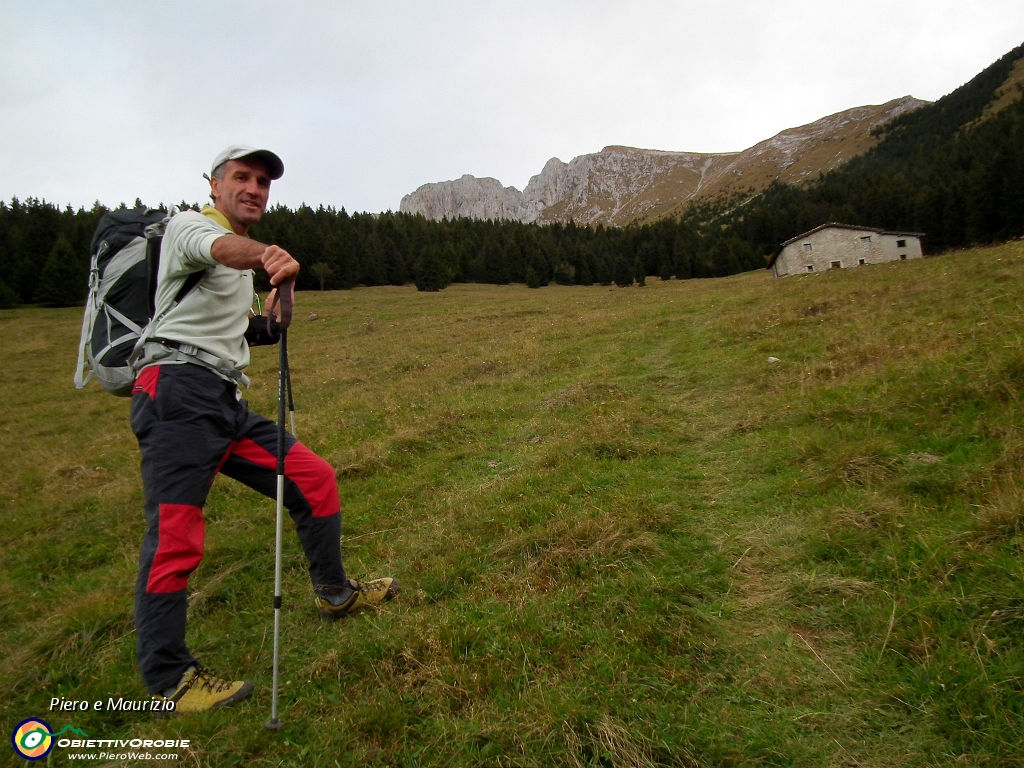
[{"x": 192, "y": 424}]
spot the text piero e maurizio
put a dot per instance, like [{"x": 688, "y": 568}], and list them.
[{"x": 119, "y": 704}]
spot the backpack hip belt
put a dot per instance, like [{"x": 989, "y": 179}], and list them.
[{"x": 168, "y": 350}]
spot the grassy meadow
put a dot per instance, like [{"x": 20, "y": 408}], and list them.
[{"x": 625, "y": 537}]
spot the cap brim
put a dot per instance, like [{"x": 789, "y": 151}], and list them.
[
  {"x": 274, "y": 165},
  {"x": 275, "y": 168}
]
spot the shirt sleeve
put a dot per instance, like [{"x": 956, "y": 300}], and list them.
[{"x": 193, "y": 235}]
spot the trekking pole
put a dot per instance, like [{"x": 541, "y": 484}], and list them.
[
  {"x": 291, "y": 403},
  {"x": 284, "y": 294}
]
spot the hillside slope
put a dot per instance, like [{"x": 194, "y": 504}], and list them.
[
  {"x": 619, "y": 185},
  {"x": 625, "y": 537}
]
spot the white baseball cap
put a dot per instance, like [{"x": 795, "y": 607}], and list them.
[{"x": 238, "y": 151}]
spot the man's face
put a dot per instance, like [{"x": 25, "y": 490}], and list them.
[{"x": 243, "y": 192}]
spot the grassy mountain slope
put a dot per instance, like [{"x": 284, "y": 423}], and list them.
[
  {"x": 1007, "y": 93},
  {"x": 627, "y": 185},
  {"x": 626, "y": 538}
]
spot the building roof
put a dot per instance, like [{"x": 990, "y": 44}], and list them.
[{"x": 837, "y": 225}]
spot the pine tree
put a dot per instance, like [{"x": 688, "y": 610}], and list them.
[
  {"x": 639, "y": 273},
  {"x": 585, "y": 274},
  {"x": 665, "y": 268},
  {"x": 564, "y": 272},
  {"x": 322, "y": 271},
  {"x": 495, "y": 262},
  {"x": 431, "y": 275},
  {"x": 394, "y": 264},
  {"x": 373, "y": 268},
  {"x": 349, "y": 248},
  {"x": 532, "y": 280},
  {"x": 682, "y": 254},
  {"x": 62, "y": 281},
  {"x": 8, "y": 298},
  {"x": 651, "y": 256},
  {"x": 602, "y": 265},
  {"x": 623, "y": 272}
]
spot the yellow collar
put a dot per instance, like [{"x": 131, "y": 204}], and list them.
[{"x": 220, "y": 218}]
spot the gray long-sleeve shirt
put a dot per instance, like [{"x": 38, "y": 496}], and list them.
[{"x": 214, "y": 314}]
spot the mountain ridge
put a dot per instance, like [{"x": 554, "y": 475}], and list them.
[{"x": 620, "y": 185}]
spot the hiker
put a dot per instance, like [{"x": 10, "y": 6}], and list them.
[{"x": 192, "y": 424}]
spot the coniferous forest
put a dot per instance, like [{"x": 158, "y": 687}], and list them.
[
  {"x": 44, "y": 251},
  {"x": 948, "y": 169}
]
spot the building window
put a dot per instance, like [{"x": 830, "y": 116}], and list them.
[
  {"x": 837, "y": 264},
  {"x": 901, "y": 243},
  {"x": 807, "y": 247},
  {"x": 866, "y": 239},
  {"x": 903, "y": 257},
  {"x": 862, "y": 262},
  {"x": 810, "y": 267}
]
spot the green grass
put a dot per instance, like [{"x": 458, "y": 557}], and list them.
[{"x": 626, "y": 539}]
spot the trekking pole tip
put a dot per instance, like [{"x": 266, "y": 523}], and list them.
[{"x": 273, "y": 724}]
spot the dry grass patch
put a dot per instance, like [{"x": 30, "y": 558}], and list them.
[{"x": 1002, "y": 518}]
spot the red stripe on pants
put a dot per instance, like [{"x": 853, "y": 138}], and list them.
[
  {"x": 313, "y": 476},
  {"x": 180, "y": 549},
  {"x": 223, "y": 461},
  {"x": 146, "y": 381}
]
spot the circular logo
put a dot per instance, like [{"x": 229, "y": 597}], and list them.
[{"x": 32, "y": 739}]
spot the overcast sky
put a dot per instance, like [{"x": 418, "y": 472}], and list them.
[{"x": 365, "y": 101}]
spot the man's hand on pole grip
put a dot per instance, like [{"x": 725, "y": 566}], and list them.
[{"x": 279, "y": 264}]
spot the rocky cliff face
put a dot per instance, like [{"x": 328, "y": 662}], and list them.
[
  {"x": 472, "y": 197},
  {"x": 619, "y": 185}
]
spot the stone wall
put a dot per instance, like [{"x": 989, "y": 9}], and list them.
[{"x": 842, "y": 248}]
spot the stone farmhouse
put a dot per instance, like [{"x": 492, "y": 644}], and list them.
[{"x": 841, "y": 246}]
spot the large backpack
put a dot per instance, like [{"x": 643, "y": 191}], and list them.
[
  {"x": 125, "y": 254},
  {"x": 122, "y": 301}
]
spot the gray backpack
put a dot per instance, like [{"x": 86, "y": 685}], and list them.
[{"x": 125, "y": 253}]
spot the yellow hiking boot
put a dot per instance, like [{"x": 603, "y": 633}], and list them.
[
  {"x": 199, "y": 691},
  {"x": 336, "y": 604}
]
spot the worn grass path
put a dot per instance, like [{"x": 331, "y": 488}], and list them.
[{"x": 626, "y": 538}]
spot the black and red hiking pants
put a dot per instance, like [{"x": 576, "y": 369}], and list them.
[{"x": 191, "y": 425}]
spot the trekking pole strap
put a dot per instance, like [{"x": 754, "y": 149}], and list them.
[{"x": 285, "y": 297}]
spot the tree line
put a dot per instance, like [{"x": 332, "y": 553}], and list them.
[{"x": 44, "y": 250}]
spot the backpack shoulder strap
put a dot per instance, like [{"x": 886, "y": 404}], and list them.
[
  {"x": 194, "y": 279},
  {"x": 190, "y": 282}
]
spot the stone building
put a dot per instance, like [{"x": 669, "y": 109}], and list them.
[{"x": 840, "y": 246}]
